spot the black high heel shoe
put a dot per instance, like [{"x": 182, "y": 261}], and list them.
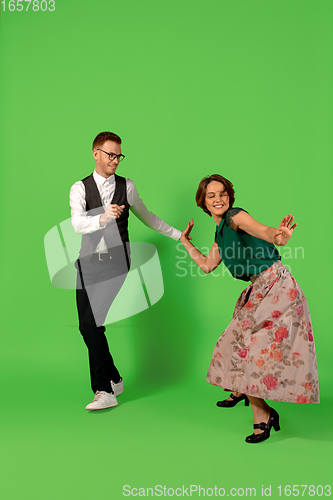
[
  {"x": 273, "y": 421},
  {"x": 229, "y": 404}
]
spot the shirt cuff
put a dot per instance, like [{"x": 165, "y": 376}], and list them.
[
  {"x": 176, "y": 234},
  {"x": 96, "y": 223}
]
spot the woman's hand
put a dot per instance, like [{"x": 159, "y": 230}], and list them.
[
  {"x": 185, "y": 236},
  {"x": 284, "y": 231}
]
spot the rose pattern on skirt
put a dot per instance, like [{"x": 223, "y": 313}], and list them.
[{"x": 269, "y": 352}]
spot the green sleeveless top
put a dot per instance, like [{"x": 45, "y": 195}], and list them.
[{"x": 243, "y": 255}]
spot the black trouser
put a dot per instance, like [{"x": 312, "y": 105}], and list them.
[{"x": 98, "y": 283}]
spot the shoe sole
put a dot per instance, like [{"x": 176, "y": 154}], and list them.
[
  {"x": 104, "y": 408},
  {"x": 101, "y": 407}
]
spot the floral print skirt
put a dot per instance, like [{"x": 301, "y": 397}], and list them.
[{"x": 268, "y": 351}]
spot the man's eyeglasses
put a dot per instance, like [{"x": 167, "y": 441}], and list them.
[{"x": 112, "y": 156}]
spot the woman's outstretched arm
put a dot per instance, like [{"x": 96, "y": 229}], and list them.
[
  {"x": 279, "y": 236},
  {"x": 206, "y": 264}
]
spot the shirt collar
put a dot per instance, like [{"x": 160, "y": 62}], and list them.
[
  {"x": 220, "y": 226},
  {"x": 101, "y": 180}
]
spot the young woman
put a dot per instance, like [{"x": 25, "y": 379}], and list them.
[{"x": 267, "y": 351}]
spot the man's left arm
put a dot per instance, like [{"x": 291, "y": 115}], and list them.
[{"x": 140, "y": 210}]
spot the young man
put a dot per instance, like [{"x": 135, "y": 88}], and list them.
[{"x": 100, "y": 206}]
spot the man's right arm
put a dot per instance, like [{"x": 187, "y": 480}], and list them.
[
  {"x": 82, "y": 223},
  {"x": 148, "y": 218}
]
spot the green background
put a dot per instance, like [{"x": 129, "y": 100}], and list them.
[{"x": 241, "y": 88}]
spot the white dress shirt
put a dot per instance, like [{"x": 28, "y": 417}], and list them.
[{"x": 84, "y": 224}]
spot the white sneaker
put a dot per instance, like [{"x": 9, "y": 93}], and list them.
[
  {"x": 102, "y": 400},
  {"x": 117, "y": 388}
]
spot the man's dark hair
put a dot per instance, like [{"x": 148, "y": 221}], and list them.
[{"x": 105, "y": 136}]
